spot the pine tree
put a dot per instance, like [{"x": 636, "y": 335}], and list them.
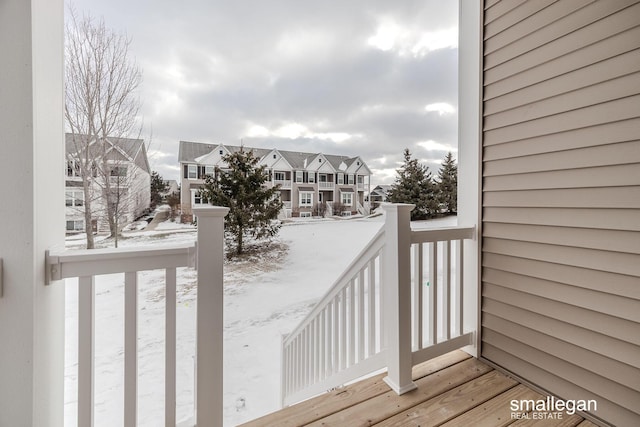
[
  {"x": 448, "y": 184},
  {"x": 252, "y": 206},
  {"x": 414, "y": 184},
  {"x": 158, "y": 189}
]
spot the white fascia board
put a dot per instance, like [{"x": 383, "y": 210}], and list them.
[{"x": 281, "y": 164}]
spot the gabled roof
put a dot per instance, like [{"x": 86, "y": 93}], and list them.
[
  {"x": 192, "y": 151},
  {"x": 127, "y": 149}
]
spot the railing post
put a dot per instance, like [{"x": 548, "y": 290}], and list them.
[
  {"x": 209, "y": 315},
  {"x": 396, "y": 283}
]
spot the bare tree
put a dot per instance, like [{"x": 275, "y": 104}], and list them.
[{"x": 101, "y": 102}]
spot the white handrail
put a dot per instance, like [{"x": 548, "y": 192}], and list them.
[
  {"x": 87, "y": 264},
  {"x": 380, "y": 295},
  {"x": 372, "y": 248}
]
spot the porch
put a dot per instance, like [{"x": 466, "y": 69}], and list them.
[{"x": 454, "y": 389}]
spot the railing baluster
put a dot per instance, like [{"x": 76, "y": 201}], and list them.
[
  {"x": 420, "y": 272},
  {"x": 446, "y": 296},
  {"x": 336, "y": 333},
  {"x": 130, "y": 349},
  {"x": 360, "y": 327},
  {"x": 460, "y": 283},
  {"x": 86, "y": 349},
  {"x": 371, "y": 309},
  {"x": 352, "y": 323},
  {"x": 329, "y": 350},
  {"x": 343, "y": 328},
  {"x": 170, "y": 348},
  {"x": 433, "y": 292}
]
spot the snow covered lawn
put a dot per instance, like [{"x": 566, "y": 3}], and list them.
[{"x": 265, "y": 296}]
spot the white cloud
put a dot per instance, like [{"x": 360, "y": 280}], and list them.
[
  {"x": 441, "y": 108},
  {"x": 408, "y": 41},
  {"x": 431, "y": 145},
  {"x": 297, "y": 130}
]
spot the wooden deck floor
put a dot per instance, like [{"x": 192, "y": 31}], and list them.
[{"x": 453, "y": 390}]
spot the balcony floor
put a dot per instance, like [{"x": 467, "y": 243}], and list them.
[{"x": 453, "y": 390}]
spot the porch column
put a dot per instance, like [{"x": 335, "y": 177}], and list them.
[
  {"x": 470, "y": 158},
  {"x": 209, "y": 323},
  {"x": 396, "y": 283},
  {"x": 32, "y": 212}
]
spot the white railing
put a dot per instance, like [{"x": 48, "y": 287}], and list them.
[
  {"x": 341, "y": 339},
  {"x": 286, "y": 204},
  {"x": 382, "y": 294},
  {"x": 284, "y": 184},
  {"x": 325, "y": 185},
  {"x": 87, "y": 264}
]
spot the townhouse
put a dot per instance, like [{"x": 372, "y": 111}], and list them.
[{"x": 305, "y": 179}]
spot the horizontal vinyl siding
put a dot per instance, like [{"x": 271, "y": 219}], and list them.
[{"x": 561, "y": 198}]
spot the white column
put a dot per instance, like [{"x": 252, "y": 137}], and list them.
[
  {"x": 396, "y": 284},
  {"x": 470, "y": 156},
  {"x": 209, "y": 315},
  {"x": 32, "y": 211}
]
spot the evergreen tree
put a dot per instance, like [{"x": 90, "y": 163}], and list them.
[
  {"x": 158, "y": 189},
  {"x": 414, "y": 185},
  {"x": 252, "y": 206},
  {"x": 448, "y": 184}
]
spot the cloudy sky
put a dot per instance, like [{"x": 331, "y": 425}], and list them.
[{"x": 349, "y": 77}]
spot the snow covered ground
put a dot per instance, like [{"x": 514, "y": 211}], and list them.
[{"x": 265, "y": 297}]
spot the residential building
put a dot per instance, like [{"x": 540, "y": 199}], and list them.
[
  {"x": 378, "y": 195},
  {"x": 549, "y": 201},
  {"x": 128, "y": 174},
  {"x": 305, "y": 179}
]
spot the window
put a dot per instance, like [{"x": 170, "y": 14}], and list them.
[
  {"x": 351, "y": 179},
  {"x": 360, "y": 179},
  {"x": 340, "y": 178},
  {"x": 278, "y": 176},
  {"x": 305, "y": 214},
  {"x": 347, "y": 198},
  {"x": 209, "y": 170},
  {"x": 298, "y": 176},
  {"x": 118, "y": 171},
  {"x": 275, "y": 157},
  {"x": 193, "y": 172},
  {"x": 74, "y": 198},
  {"x": 198, "y": 199},
  {"x": 73, "y": 168},
  {"x": 75, "y": 225},
  {"x": 306, "y": 198},
  {"x": 221, "y": 152},
  {"x": 312, "y": 177}
]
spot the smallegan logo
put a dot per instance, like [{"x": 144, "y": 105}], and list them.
[{"x": 549, "y": 408}]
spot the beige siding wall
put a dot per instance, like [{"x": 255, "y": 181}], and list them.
[{"x": 561, "y": 198}]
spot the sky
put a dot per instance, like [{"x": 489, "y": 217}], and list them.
[{"x": 364, "y": 78}]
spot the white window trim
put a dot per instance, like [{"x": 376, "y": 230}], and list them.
[
  {"x": 342, "y": 197},
  {"x": 340, "y": 179},
  {"x": 300, "y": 197},
  {"x": 351, "y": 180},
  {"x": 195, "y": 171},
  {"x": 299, "y": 176}
]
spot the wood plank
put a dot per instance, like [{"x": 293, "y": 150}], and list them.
[
  {"x": 587, "y": 423},
  {"x": 387, "y": 405},
  {"x": 507, "y": 14},
  {"x": 345, "y": 397},
  {"x": 449, "y": 405},
  {"x": 495, "y": 412}
]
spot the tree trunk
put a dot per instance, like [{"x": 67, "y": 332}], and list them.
[{"x": 88, "y": 226}]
